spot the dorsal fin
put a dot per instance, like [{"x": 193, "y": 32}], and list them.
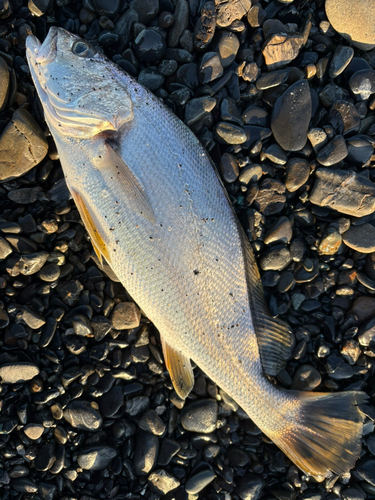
[
  {"x": 275, "y": 339},
  {"x": 180, "y": 370}
]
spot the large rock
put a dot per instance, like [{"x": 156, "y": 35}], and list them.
[
  {"x": 291, "y": 116},
  {"x": 354, "y": 20},
  {"x": 229, "y": 11},
  {"x": 4, "y": 83},
  {"x": 346, "y": 192},
  {"x": 22, "y": 145}
]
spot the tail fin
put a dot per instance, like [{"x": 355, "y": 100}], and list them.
[{"x": 326, "y": 434}]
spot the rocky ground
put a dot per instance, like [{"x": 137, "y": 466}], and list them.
[{"x": 282, "y": 96}]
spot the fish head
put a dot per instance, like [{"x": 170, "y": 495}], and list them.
[{"x": 80, "y": 89}]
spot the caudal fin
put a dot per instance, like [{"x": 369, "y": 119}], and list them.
[{"x": 326, "y": 434}]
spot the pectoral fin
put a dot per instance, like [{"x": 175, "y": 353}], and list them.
[
  {"x": 180, "y": 370},
  {"x": 92, "y": 228},
  {"x": 275, "y": 339},
  {"x": 114, "y": 169}
]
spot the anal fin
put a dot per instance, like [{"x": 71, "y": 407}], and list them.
[
  {"x": 180, "y": 370},
  {"x": 275, "y": 339},
  {"x": 94, "y": 232}
]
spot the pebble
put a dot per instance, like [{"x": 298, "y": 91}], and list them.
[
  {"x": 272, "y": 79},
  {"x": 49, "y": 272},
  {"x": 5, "y": 248},
  {"x": 24, "y": 485},
  {"x": 197, "y": 108},
  {"x": 276, "y": 259},
  {"x": 18, "y": 372},
  {"x": 96, "y": 457},
  {"x": 22, "y": 145},
  {"x": 82, "y": 415},
  {"x": 111, "y": 402},
  {"x": 340, "y": 60},
  {"x": 291, "y": 116},
  {"x": 360, "y": 238},
  {"x": 33, "y": 431},
  {"x": 360, "y": 150},
  {"x": 199, "y": 481},
  {"x": 297, "y": 174},
  {"x": 306, "y": 378},
  {"x": 181, "y": 19},
  {"x": 331, "y": 242},
  {"x": 210, "y": 68},
  {"x": 229, "y": 11},
  {"x": 32, "y": 263},
  {"x": 280, "y": 231},
  {"x": 366, "y": 470},
  {"x": 32, "y": 319},
  {"x": 126, "y": 315},
  {"x": 149, "y": 45},
  {"x": 45, "y": 457},
  {"x": 344, "y": 118},
  {"x": 151, "y": 422},
  {"x": 270, "y": 198},
  {"x": 162, "y": 482},
  {"x": 147, "y": 10},
  {"x": 333, "y": 152},
  {"x": 228, "y": 133},
  {"x": 205, "y": 27},
  {"x": 4, "y": 83},
  {"x": 353, "y": 20},
  {"x": 280, "y": 49},
  {"x": 200, "y": 416},
  {"x": 227, "y": 45},
  {"x": 250, "y": 487},
  {"x": 229, "y": 167},
  {"x": 146, "y": 453},
  {"x": 344, "y": 191}
]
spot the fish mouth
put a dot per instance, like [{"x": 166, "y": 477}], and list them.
[{"x": 42, "y": 53}]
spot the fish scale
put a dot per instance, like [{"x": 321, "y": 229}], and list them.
[{"x": 156, "y": 210}]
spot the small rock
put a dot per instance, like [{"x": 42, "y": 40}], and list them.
[
  {"x": 45, "y": 457},
  {"x": 340, "y": 60},
  {"x": 272, "y": 79},
  {"x": 181, "y": 21},
  {"x": 360, "y": 238},
  {"x": 5, "y": 248},
  {"x": 168, "y": 450},
  {"x": 306, "y": 378},
  {"x": 353, "y": 20},
  {"x": 276, "y": 259},
  {"x": 363, "y": 83},
  {"x": 366, "y": 469},
  {"x": 147, "y": 10},
  {"x": 291, "y": 116},
  {"x": 360, "y": 150},
  {"x": 151, "y": 422},
  {"x": 107, "y": 7},
  {"x": 24, "y": 485},
  {"x": 4, "y": 83},
  {"x": 82, "y": 415},
  {"x": 297, "y": 174},
  {"x": 227, "y": 46},
  {"x": 199, "y": 481},
  {"x": 344, "y": 118},
  {"x": 229, "y": 167},
  {"x": 32, "y": 263},
  {"x": 210, "y": 68},
  {"x": 230, "y": 112},
  {"x": 228, "y": 133},
  {"x": 38, "y": 7},
  {"x": 318, "y": 138},
  {"x": 271, "y": 198},
  {"x": 197, "y": 108},
  {"x": 33, "y": 431},
  {"x": 205, "y": 27},
  {"x": 149, "y": 45},
  {"x": 229, "y": 11},
  {"x": 96, "y": 457},
  {"x": 146, "y": 453},
  {"x": 280, "y": 231},
  {"x": 162, "y": 482},
  {"x": 126, "y": 315},
  {"x": 18, "y": 372},
  {"x": 344, "y": 191},
  {"x": 111, "y": 401},
  {"x": 32, "y": 319},
  {"x": 151, "y": 78},
  {"x": 50, "y": 272},
  {"x": 250, "y": 487},
  {"x": 22, "y": 145},
  {"x": 200, "y": 416},
  {"x": 331, "y": 242}
]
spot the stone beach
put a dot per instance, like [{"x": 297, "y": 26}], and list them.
[{"x": 282, "y": 95}]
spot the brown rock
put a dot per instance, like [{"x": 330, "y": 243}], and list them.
[
  {"x": 22, "y": 145},
  {"x": 205, "y": 26},
  {"x": 354, "y": 20},
  {"x": 126, "y": 315},
  {"x": 229, "y": 11}
]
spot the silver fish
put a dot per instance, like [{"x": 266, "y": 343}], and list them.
[{"x": 158, "y": 214}]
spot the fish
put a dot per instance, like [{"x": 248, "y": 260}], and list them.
[{"x": 159, "y": 216}]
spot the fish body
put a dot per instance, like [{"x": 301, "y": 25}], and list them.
[{"x": 158, "y": 214}]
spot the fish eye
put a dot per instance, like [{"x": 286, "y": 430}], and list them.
[{"x": 83, "y": 49}]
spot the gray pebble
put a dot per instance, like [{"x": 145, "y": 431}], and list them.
[
  {"x": 297, "y": 174},
  {"x": 149, "y": 45},
  {"x": 181, "y": 20},
  {"x": 340, "y": 60},
  {"x": 229, "y": 167},
  {"x": 199, "y": 481},
  {"x": 146, "y": 453},
  {"x": 228, "y": 133},
  {"x": 200, "y": 416},
  {"x": 50, "y": 272},
  {"x": 96, "y": 457},
  {"x": 306, "y": 378},
  {"x": 272, "y": 79},
  {"x": 344, "y": 118},
  {"x": 151, "y": 78},
  {"x": 147, "y": 10},
  {"x": 360, "y": 238},
  {"x": 82, "y": 415},
  {"x": 210, "y": 67},
  {"x": 196, "y": 108}
]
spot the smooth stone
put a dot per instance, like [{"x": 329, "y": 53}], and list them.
[
  {"x": 147, "y": 10},
  {"x": 205, "y": 26},
  {"x": 306, "y": 378},
  {"x": 168, "y": 450},
  {"x": 297, "y": 174},
  {"x": 340, "y": 60},
  {"x": 149, "y": 45},
  {"x": 366, "y": 469},
  {"x": 332, "y": 93},
  {"x": 229, "y": 168},
  {"x": 45, "y": 457},
  {"x": 272, "y": 79},
  {"x": 162, "y": 482},
  {"x": 24, "y": 485},
  {"x": 199, "y": 481},
  {"x": 38, "y": 7},
  {"x": 33, "y": 431},
  {"x": 249, "y": 174},
  {"x": 276, "y": 259},
  {"x": 125, "y": 316},
  {"x": 363, "y": 83},
  {"x": 197, "y": 108},
  {"x": 5, "y": 248},
  {"x": 331, "y": 242},
  {"x": 83, "y": 416},
  {"x": 280, "y": 231},
  {"x": 210, "y": 68},
  {"x": 4, "y": 83},
  {"x": 337, "y": 368},
  {"x": 250, "y": 487},
  {"x": 351, "y": 351},
  {"x": 200, "y": 416},
  {"x": 255, "y": 116},
  {"x": 151, "y": 78},
  {"x": 137, "y": 405},
  {"x": 229, "y": 111},
  {"x": 181, "y": 21},
  {"x": 344, "y": 191},
  {"x": 291, "y": 116},
  {"x": 255, "y": 134},
  {"x": 360, "y": 238},
  {"x": 227, "y": 45},
  {"x": 360, "y": 150},
  {"x": 363, "y": 307},
  {"x": 318, "y": 138},
  {"x": 333, "y": 152},
  {"x": 50, "y": 272},
  {"x": 151, "y": 422},
  {"x": 344, "y": 118},
  {"x": 276, "y": 154},
  {"x": 32, "y": 263},
  {"x": 22, "y": 145},
  {"x": 106, "y": 7},
  {"x": 229, "y": 11},
  {"x": 270, "y": 198},
  {"x": 228, "y": 133},
  {"x": 18, "y": 372},
  {"x": 32, "y": 319},
  {"x": 21, "y": 244},
  {"x": 236, "y": 456},
  {"x": 146, "y": 453},
  {"x": 4, "y": 319},
  {"x": 256, "y": 16},
  {"x": 352, "y": 19},
  {"x": 111, "y": 401},
  {"x": 96, "y": 457}
]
